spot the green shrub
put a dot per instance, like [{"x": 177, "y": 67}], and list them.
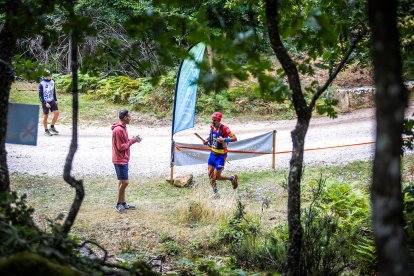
[
  {"x": 250, "y": 247},
  {"x": 157, "y": 99},
  {"x": 337, "y": 232},
  {"x": 212, "y": 267},
  {"x": 85, "y": 83},
  {"x": 27, "y": 250},
  {"x": 408, "y": 205}
]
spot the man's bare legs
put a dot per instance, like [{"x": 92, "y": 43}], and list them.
[
  {"x": 121, "y": 190},
  {"x": 215, "y": 175},
  {"x": 45, "y": 120},
  {"x": 55, "y": 117}
]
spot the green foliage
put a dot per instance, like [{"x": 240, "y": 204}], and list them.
[
  {"x": 408, "y": 132},
  {"x": 141, "y": 93},
  {"x": 405, "y": 27},
  {"x": 38, "y": 252},
  {"x": 337, "y": 231},
  {"x": 408, "y": 205},
  {"x": 116, "y": 89},
  {"x": 158, "y": 98},
  {"x": 171, "y": 247},
  {"x": 28, "y": 69},
  {"x": 85, "y": 83},
  {"x": 242, "y": 98},
  {"x": 25, "y": 263},
  {"x": 214, "y": 267},
  {"x": 250, "y": 247}
]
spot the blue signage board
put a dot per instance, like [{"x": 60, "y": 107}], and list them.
[{"x": 22, "y": 123}]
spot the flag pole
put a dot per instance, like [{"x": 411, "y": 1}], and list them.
[
  {"x": 172, "y": 161},
  {"x": 173, "y": 124},
  {"x": 184, "y": 106},
  {"x": 274, "y": 150}
]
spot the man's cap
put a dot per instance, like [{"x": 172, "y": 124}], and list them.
[
  {"x": 47, "y": 72},
  {"x": 123, "y": 113}
]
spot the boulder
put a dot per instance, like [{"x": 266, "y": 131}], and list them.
[{"x": 182, "y": 181}]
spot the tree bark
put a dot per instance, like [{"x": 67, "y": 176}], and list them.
[
  {"x": 7, "y": 51},
  {"x": 303, "y": 114},
  {"x": 77, "y": 184},
  {"x": 391, "y": 99}
]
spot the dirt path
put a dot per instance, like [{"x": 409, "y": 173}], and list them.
[{"x": 150, "y": 158}]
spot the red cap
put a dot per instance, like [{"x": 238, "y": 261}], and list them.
[{"x": 217, "y": 116}]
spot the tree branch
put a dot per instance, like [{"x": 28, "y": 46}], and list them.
[
  {"x": 286, "y": 61},
  {"x": 77, "y": 184},
  {"x": 338, "y": 69}
]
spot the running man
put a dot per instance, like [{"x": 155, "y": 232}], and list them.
[{"x": 220, "y": 136}]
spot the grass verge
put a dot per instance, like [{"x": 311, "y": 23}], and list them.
[{"x": 180, "y": 223}]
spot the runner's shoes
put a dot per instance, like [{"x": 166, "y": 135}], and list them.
[
  {"x": 127, "y": 206},
  {"x": 235, "y": 182},
  {"x": 53, "y": 130},
  {"x": 47, "y": 133}
]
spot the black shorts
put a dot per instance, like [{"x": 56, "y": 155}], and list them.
[{"x": 53, "y": 107}]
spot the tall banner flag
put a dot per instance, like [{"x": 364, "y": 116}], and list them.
[
  {"x": 185, "y": 96},
  {"x": 186, "y": 90}
]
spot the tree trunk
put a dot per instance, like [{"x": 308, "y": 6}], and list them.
[
  {"x": 298, "y": 138},
  {"x": 391, "y": 99},
  {"x": 294, "y": 197},
  {"x": 7, "y": 51},
  {"x": 77, "y": 184}
]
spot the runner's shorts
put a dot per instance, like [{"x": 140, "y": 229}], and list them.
[
  {"x": 53, "y": 107},
  {"x": 217, "y": 160},
  {"x": 121, "y": 171}
]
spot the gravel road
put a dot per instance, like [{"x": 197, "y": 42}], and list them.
[{"x": 151, "y": 157}]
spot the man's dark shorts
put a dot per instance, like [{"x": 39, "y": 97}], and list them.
[
  {"x": 121, "y": 171},
  {"x": 53, "y": 107}
]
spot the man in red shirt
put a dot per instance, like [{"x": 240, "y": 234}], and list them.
[
  {"x": 220, "y": 136},
  {"x": 120, "y": 157}
]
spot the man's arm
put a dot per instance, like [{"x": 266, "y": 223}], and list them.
[
  {"x": 54, "y": 93},
  {"x": 122, "y": 142},
  {"x": 42, "y": 100}
]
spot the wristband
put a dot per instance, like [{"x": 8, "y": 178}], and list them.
[{"x": 227, "y": 140}]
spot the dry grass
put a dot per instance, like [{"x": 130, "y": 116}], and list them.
[
  {"x": 168, "y": 220},
  {"x": 204, "y": 210},
  {"x": 186, "y": 216}
]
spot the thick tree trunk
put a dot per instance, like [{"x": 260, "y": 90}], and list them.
[
  {"x": 77, "y": 184},
  {"x": 391, "y": 99},
  {"x": 294, "y": 197},
  {"x": 7, "y": 51},
  {"x": 298, "y": 138}
]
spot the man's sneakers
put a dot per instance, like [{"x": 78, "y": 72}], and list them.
[
  {"x": 47, "y": 133},
  {"x": 122, "y": 207},
  {"x": 53, "y": 130},
  {"x": 127, "y": 206},
  {"x": 235, "y": 182}
]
